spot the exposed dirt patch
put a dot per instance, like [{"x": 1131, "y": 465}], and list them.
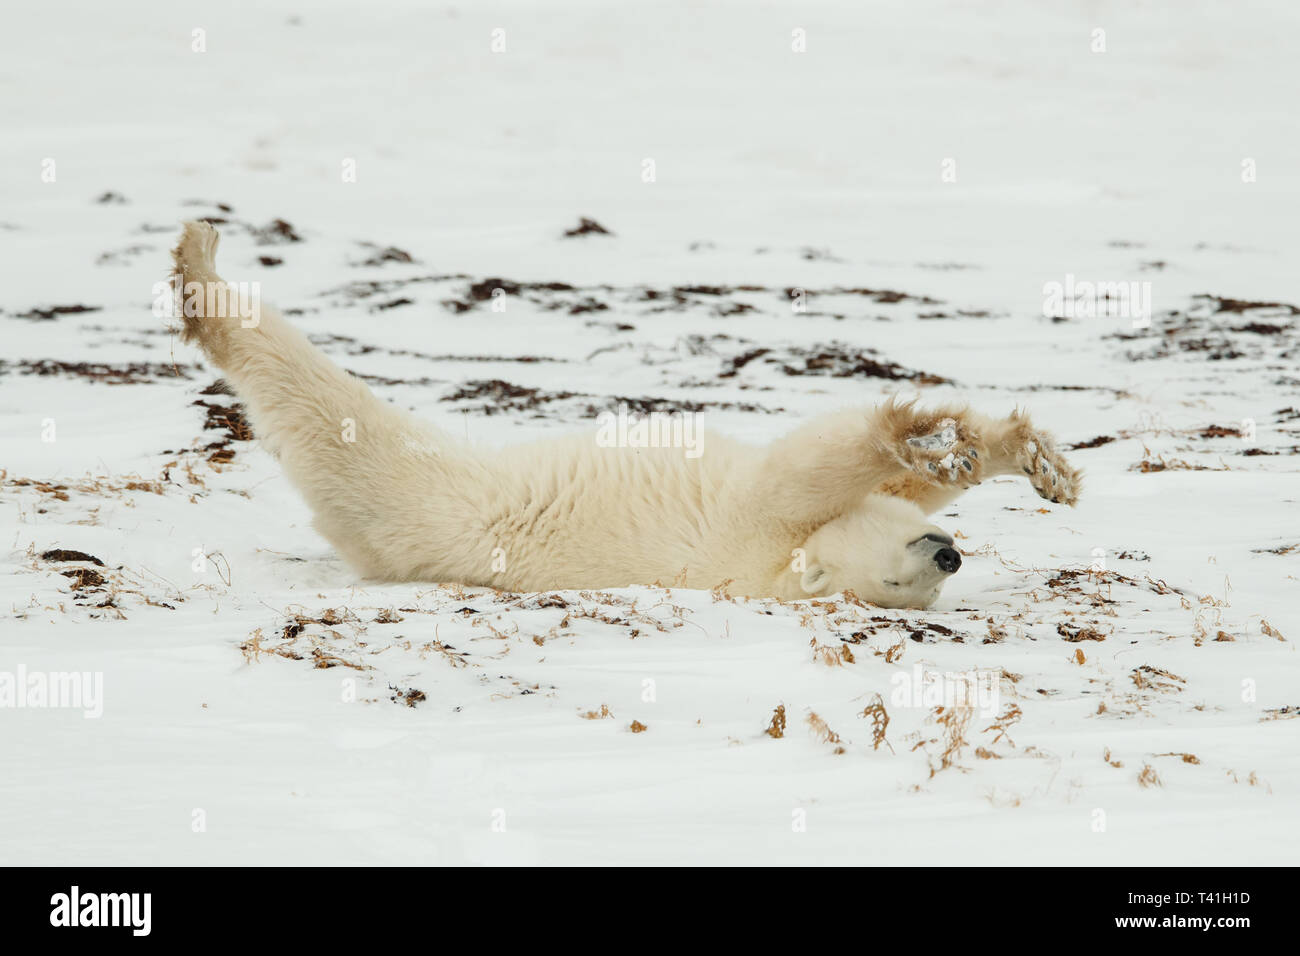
[
  {"x": 1091, "y": 443},
  {"x": 54, "y": 311},
  {"x": 64, "y": 554},
  {"x": 409, "y": 696},
  {"x": 1245, "y": 305},
  {"x": 130, "y": 373},
  {"x": 83, "y": 578},
  {"x": 1219, "y": 431},
  {"x": 379, "y": 256},
  {"x": 227, "y": 418},
  {"x": 840, "y": 361},
  {"x": 587, "y": 227},
  {"x": 493, "y": 396},
  {"x": 275, "y": 232},
  {"x": 881, "y": 296},
  {"x": 1201, "y": 333},
  {"x": 120, "y": 257}
]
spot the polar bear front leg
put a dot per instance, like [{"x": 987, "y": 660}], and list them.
[
  {"x": 829, "y": 465},
  {"x": 1018, "y": 447},
  {"x": 941, "y": 447}
]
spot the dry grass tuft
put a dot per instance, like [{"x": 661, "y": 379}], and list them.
[
  {"x": 1150, "y": 465},
  {"x": 955, "y": 721},
  {"x": 1003, "y": 723},
  {"x": 1074, "y": 633},
  {"x": 603, "y": 714},
  {"x": 830, "y": 654},
  {"x": 410, "y": 697},
  {"x": 1148, "y": 777},
  {"x": 879, "y": 722},
  {"x": 822, "y": 731},
  {"x": 776, "y": 729},
  {"x": 1147, "y": 677}
]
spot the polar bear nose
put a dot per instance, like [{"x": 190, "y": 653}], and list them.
[{"x": 948, "y": 559}]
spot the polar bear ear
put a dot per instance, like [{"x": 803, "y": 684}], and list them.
[{"x": 813, "y": 579}]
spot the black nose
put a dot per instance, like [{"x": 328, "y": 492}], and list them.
[{"x": 948, "y": 559}]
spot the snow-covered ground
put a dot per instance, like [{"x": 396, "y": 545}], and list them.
[{"x": 261, "y": 705}]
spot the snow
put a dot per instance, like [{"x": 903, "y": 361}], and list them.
[{"x": 773, "y": 171}]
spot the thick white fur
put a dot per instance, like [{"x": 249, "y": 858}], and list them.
[{"x": 840, "y": 503}]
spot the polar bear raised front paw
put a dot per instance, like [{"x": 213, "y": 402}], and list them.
[
  {"x": 943, "y": 451},
  {"x": 1048, "y": 471}
]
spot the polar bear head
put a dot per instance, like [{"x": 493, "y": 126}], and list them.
[{"x": 885, "y": 551}]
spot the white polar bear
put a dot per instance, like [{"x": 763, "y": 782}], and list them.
[{"x": 838, "y": 504}]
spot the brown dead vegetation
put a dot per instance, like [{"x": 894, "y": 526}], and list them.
[
  {"x": 1151, "y": 678},
  {"x": 953, "y": 722},
  {"x": 1148, "y": 777},
  {"x": 822, "y": 732},
  {"x": 776, "y": 728},
  {"x": 879, "y": 717}
]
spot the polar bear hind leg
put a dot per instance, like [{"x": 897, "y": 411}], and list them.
[{"x": 381, "y": 484}]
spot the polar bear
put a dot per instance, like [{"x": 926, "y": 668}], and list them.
[{"x": 839, "y": 504}]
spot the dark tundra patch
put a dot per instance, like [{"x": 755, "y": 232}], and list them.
[
  {"x": 1091, "y": 443},
  {"x": 274, "y": 233},
  {"x": 227, "y": 418},
  {"x": 1219, "y": 431},
  {"x": 64, "y": 554},
  {"x": 131, "y": 373},
  {"x": 840, "y": 361},
  {"x": 83, "y": 578},
  {"x": 881, "y": 296},
  {"x": 379, "y": 256},
  {"x": 1201, "y": 331},
  {"x": 1244, "y": 305},
  {"x": 587, "y": 227},
  {"x": 493, "y": 395},
  {"x": 54, "y": 311}
]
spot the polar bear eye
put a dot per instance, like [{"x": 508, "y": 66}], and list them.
[{"x": 892, "y": 584}]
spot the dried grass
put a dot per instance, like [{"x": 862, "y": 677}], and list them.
[
  {"x": 1185, "y": 757},
  {"x": 1003, "y": 723},
  {"x": 954, "y": 721},
  {"x": 822, "y": 731},
  {"x": 879, "y": 717},
  {"x": 776, "y": 728}
]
